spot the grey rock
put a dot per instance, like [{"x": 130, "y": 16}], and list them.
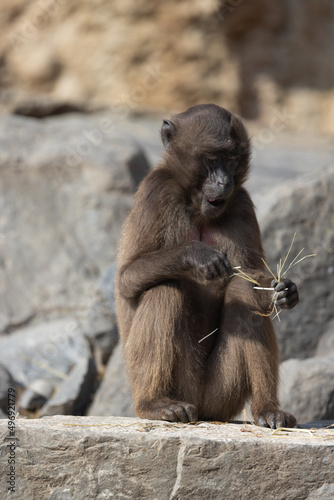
[
  {"x": 59, "y": 354},
  {"x": 104, "y": 344},
  {"x": 65, "y": 192},
  {"x": 6, "y": 382},
  {"x": 325, "y": 492},
  {"x": 31, "y": 401},
  {"x": 109, "y": 457},
  {"x": 305, "y": 207},
  {"x": 47, "y": 351},
  {"x": 307, "y": 388},
  {"x": 73, "y": 394},
  {"x": 101, "y": 320},
  {"x": 326, "y": 343},
  {"x": 319, "y": 424},
  {"x": 42, "y": 387},
  {"x": 285, "y": 160},
  {"x": 114, "y": 395},
  {"x": 107, "y": 286},
  {"x": 36, "y": 395}
]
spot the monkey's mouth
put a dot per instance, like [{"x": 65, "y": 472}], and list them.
[{"x": 216, "y": 202}]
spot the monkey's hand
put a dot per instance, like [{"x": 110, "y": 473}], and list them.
[
  {"x": 205, "y": 262},
  {"x": 285, "y": 294}
]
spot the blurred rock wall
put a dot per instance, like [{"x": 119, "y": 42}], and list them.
[{"x": 248, "y": 55}]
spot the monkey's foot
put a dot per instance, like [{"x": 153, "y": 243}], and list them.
[
  {"x": 275, "y": 419},
  {"x": 168, "y": 409}
]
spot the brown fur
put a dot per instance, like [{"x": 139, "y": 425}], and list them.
[{"x": 169, "y": 293}]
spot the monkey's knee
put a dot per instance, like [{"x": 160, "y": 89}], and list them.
[{"x": 166, "y": 297}]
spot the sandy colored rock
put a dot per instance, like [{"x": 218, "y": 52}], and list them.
[{"x": 251, "y": 57}]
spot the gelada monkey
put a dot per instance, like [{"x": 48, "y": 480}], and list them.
[{"x": 192, "y": 222}]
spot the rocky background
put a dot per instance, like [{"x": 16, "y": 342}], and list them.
[{"x": 84, "y": 86}]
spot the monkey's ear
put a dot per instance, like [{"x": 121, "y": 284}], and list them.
[
  {"x": 168, "y": 130},
  {"x": 238, "y": 129}
]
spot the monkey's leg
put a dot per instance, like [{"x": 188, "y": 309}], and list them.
[
  {"x": 246, "y": 361},
  {"x": 153, "y": 350},
  {"x": 262, "y": 357}
]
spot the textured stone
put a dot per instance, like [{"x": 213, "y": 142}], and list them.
[
  {"x": 64, "y": 194},
  {"x": 37, "y": 393},
  {"x": 306, "y": 388},
  {"x": 73, "y": 394},
  {"x": 326, "y": 342},
  {"x": 326, "y": 491},
  {"x": 305, "y": 206},
  {"x": 106, "y": 458},
  {"x": 6, "y": 381},
  {"x": 46, "y": 351},
  {"x": 58, "y": 353},
  {"x": 102, "y": 327},
  {"x": 114, "y": 395}
]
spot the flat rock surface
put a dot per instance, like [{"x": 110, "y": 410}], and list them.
[{"x": 110, "y": 457}]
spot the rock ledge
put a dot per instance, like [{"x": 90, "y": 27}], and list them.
[{"x": 65, "y": 457}]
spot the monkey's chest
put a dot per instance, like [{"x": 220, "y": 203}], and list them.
[
  {"x": 209, "y": 236},
  {"x": 206, "y": 234}
]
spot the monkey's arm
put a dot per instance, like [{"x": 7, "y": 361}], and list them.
[
  {"x": 251, "y": 262},
  {"x": 193, "y": 260},
  {"x": 266, "y": 291},
  {"x": 148, "y": 270}
]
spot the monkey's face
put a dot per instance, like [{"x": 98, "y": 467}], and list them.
[
  {"x": 218, "y": 184},
  {"x": 207, "y": 151}
]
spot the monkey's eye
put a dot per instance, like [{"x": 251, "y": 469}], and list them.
[
  {"x": 232, "y": 163},
  {"x": 211, "y": 158},
  {"x": 232, "y": 160}
]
